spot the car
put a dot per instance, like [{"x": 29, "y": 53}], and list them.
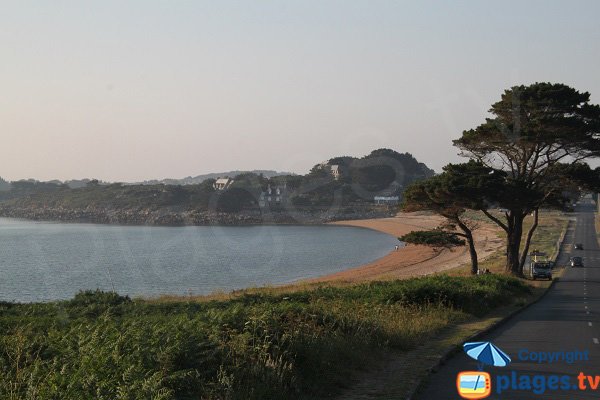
[
  {"x": 576, "y": 262},
  {"x": 578, "y": 246},
  {"x": 540, "y": 269}
]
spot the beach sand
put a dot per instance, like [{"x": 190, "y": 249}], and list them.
[{"x": 413, "y": 260}]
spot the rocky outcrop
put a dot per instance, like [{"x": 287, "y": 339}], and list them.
[{"x": 168, "y": 217}]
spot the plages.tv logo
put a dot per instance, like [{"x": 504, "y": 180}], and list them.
[{"x": 478, "y": 384}]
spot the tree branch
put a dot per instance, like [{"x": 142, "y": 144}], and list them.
[{"x": 496, "y": 220}]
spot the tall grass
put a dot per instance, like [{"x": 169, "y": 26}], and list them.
[{"x": 306, "y": 344}]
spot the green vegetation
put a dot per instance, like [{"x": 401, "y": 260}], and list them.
[
  {"x": 114, "y": 196},
  {"x": 436, "y": 238},
  {"x": 260, "y": 345}
]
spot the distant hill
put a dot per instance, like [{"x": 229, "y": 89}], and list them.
[{"x": 194, "y": 180}]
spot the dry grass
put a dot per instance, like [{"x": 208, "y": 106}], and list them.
[{"x": 551, "y": 224}]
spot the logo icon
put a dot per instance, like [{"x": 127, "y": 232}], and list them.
[
  {"x": 477, "y": 384},
  {"x": 474, "y": 384}
]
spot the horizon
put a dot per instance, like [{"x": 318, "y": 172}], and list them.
[
  {"x": 136, "y": 91},
  {"x": 224, "y": 173}
]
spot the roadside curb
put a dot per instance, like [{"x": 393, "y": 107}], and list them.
[{"x": 456, "y": 349}]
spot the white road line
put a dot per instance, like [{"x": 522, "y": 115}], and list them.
[
  {"x": 596, "y": 341},
  {"x": 589, "y": 324}
]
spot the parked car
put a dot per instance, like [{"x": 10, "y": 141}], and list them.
[
  {"x": 540, "y": 269},
  {"x": 578, "y": 246},
  {"x": 576, "y": 262}
]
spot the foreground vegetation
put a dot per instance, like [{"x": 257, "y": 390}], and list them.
[{"x": 305, "y": 344}]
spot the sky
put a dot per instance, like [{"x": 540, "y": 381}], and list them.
[{"x": 134, "y": 90}]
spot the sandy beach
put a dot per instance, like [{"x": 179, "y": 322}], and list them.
[{"x": 413, "y": 260}]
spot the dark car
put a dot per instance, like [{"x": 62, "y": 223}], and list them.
[
  {"x": 576, "y": 262},
  {"x": 578, "y": 246}
]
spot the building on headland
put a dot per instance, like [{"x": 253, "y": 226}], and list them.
[
  {"x": 386, "y": 200},
  {"x": 336, "y": 171},
  {"x": 273, "y": 195},
  {"x": 222, "y": 183},
  {"x": 390, "y": 195}
]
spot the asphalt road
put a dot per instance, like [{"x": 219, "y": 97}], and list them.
[{"x": 566, "y": 319}]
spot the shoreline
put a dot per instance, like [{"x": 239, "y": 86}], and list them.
[
  {"x": 410, "y": 261},
  {"x": 189, "y": 217}
]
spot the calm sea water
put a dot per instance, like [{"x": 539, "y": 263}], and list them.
[{"x": 42, "y": 261}]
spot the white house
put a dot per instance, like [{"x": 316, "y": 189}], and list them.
[
  {"x": 223, "y": 183},
  {"x": 386, "y": 200},
  {"x": 336, "y": 171},
  {"x": 273, "y": 195}
]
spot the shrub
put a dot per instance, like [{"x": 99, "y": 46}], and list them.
[{"x": 437, "y": 238}]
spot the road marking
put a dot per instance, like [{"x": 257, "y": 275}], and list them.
[
  {"x": 587, "y": 312},
  {"x": 586, "y": 307},
  {"x": 589, "y": 324},
  {"x": 596, "y": 341}
]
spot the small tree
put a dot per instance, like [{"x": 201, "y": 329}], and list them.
[
  {"x": 450, "y": 194},
  {"x": 434, "y": 238}
]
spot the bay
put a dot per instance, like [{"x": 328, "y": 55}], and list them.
[{"x": 43, "y": 261}]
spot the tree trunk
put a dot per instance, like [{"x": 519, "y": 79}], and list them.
[
  {"x": 528, "y": 240},
  {"x": 513, "y": 243},
  {"x": 468, "y": 234}
]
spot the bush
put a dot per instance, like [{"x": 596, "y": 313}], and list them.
[{"x": 437, "y": 238}]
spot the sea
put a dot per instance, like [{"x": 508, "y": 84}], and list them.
[{"x": 46, "y": 261}]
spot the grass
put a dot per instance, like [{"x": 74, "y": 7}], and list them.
[{"x": 309, "y": 344}]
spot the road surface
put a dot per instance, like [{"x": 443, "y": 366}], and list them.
[{"x": 567, "y": 319}]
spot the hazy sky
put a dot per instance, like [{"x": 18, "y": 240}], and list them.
[{"x": 132, "y": 90}]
